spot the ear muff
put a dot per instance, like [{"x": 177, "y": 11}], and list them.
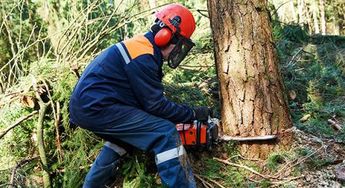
[{"x": 163, "y": 37}]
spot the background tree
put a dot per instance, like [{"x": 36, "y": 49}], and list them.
[
  {"x": 251, "y": 87},
  {"x": 317, "y": 16}
]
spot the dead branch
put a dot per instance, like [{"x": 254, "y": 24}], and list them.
[
  {"x": 244, "y": 167},
  {"x": 336, "y": 125},
  {"x": 20, "y": 120},
  {"x": 213, "y": 181},
  {"x": 19, "y": 165},
  {"x": 204, "y": 182}
]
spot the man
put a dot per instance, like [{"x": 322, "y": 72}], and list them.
[{"x": 120, "y": 98}]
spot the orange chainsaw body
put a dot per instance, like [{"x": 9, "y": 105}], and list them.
[
  {"x": 199, "y": 134},
  {"x": 189, "y": 134}
]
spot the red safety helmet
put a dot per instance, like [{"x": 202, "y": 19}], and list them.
[
  {"x": 176, "y": 22},
  {"x": 170, "y": 13}
]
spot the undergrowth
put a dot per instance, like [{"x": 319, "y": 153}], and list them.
[{"x": 313, "y": 68}]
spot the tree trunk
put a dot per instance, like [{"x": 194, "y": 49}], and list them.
[
  {"x": 300, "y": 7},
  {"x": 252, "y": 98},
  {"x": 293, "y": 12},
  {"x": 322, "y": 17},
  {"x": 315, "y": 10}
]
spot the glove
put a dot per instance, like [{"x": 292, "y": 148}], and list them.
[{"x": 201, "y": 113}]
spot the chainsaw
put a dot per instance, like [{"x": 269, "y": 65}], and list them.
[
  {"x": 199, "y": 134},
  {"x": 205, "y": 134}
]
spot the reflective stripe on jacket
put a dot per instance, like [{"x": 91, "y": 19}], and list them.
[{"x": 126, "y": 75}]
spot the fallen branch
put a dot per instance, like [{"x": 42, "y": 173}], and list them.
[
  {"x": 20, "y": 120},
  {"x": 204, "y": 182},
  {"x": 19, "y": 165},
  {"x": 244, "y": 167},
  {"x": 336, "y": 125},
  {"x": 40, "y": 135},
  {"x": 213, "y": 181}
]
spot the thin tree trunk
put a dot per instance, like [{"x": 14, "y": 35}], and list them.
[
  {"x": 308, "y": 18},
  {"x": 315, "y": 11},
  {"x": 293, "y": 12},
  {"x": 322, "y": 17},
  {"x": 300, "y": 7},
  {"x": 252, "y": 97}
]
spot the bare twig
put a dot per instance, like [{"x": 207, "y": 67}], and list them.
[
  {"x": 201, "y": 12},
  {"x": 20, "y": 120},
  {"x": 19, "y": 164}
]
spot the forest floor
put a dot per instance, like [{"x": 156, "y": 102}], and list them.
[
  {"x": 311, "y": 162},
  {"x": 329, "y": 158}
]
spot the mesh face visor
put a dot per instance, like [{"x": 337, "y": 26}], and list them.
[{"x": 180, "y": 51}]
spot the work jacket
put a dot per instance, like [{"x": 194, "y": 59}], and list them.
[{"x": 125, "y": 77}]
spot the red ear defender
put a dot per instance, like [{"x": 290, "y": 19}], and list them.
[{"x": 163, "y": 37}]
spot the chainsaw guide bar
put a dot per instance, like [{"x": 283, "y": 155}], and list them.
[{"x": 246, "y": 139}]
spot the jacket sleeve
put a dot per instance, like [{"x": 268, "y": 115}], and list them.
[{"x": 145, "y": 81}]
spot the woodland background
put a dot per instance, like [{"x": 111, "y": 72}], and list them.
[{"x": 45, "y": 45}]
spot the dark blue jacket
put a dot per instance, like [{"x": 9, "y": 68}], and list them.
[{"x": 122, "y": 79}]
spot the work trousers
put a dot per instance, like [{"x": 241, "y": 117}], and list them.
[{"x": 148, "y": 133}]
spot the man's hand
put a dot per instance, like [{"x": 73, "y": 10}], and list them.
[{"x": 201, "y": 113}]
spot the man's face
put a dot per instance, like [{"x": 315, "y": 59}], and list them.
[{"x": 167, "y": 50}]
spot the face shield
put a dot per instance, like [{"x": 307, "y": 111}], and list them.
[{"x": 180, "y": 51}]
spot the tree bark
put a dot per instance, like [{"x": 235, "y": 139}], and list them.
[{"x": 252, "y": 98}]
